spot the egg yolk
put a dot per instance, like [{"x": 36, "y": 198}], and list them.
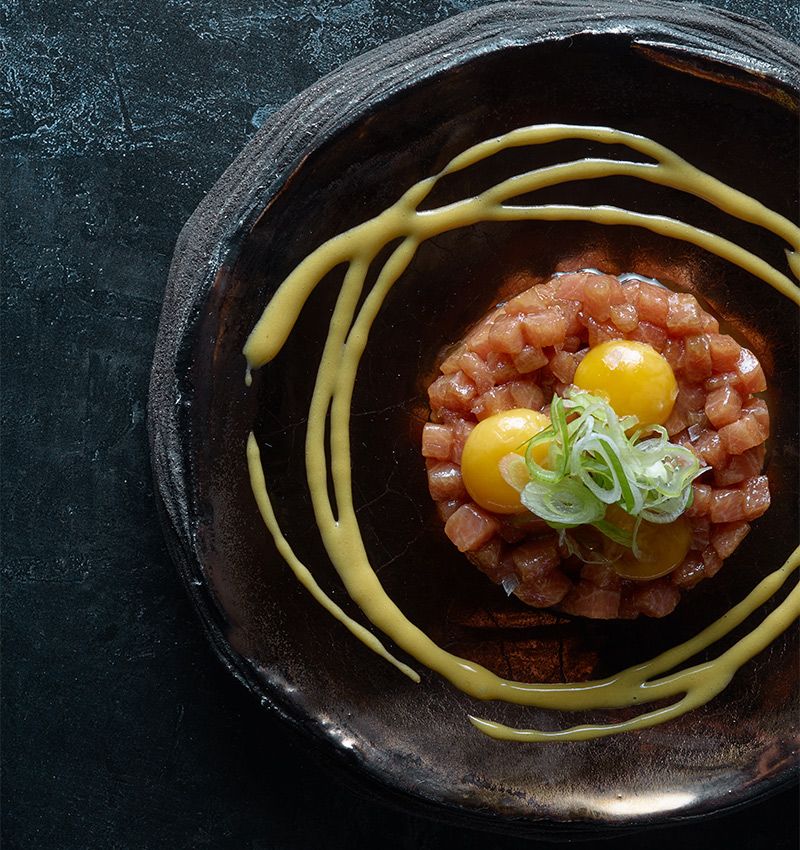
[
  {"x": 489, "y": 442},
  {"x": 663, "y": 546},
  {"x": 633, "y": 377}
]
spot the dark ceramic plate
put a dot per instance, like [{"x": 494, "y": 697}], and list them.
[{"x": 719, "y": 90}]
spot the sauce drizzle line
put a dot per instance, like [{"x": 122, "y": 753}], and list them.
[{"x": 345, "y": 344}]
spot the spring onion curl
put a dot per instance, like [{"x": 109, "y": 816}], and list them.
[{"x": 596, "y": 459}]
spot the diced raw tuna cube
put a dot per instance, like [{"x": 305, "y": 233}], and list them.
[
  {"x": 572, "y": 286},
  {"x": 516, "y": 527},
  {"x": 723, "y": 379},
  {"x": 601, "y": 576},
  {"x": 505, "y": 335},
  {"x": 690, "y": 396},
  {"x": 673, "y": 352},
  {"x": 530, "y": 359},
  {"x": 445, "y": 482},
  {"x": 541, "y": 582},
  {"x": 491, "y": 402},
  {"x": 701, "y": 501},
  {"x": 454, "y": 391},
  {"x": 600, "y": 292},
  {"x": 757, "y": 407},
  {"x": 526, "y": 394},
  {"x": 477, "y": 370},
  {"x": 548, "y": 292},
  {"x": 624, "y": 317},
  {"x": 751, "y": 375},
  {"x": 545, "y": 591},
  {"x": 529, "y": 301},
  {"x": 650, "y": 334},
  {"x": 501, "y": 366},
  {"x": 708, "y": 447},
  {"x": 537, "y": 557},
  {"x": 725, "y": 538},
  {"x": 563, "y": 366},
  {"x": 656, "y": 598},
  {"x": 510, "y": 532},
  {"x": 601, "y": 332},
  {"x": 712, "y": 562},
  {"x": 696, "y": 358},
  {"x": 742, "y": 435},
  {"x": 741, "y": 467},
  {"x": 723, "y": 406},
  {"x": 653, "y": 304},
  {"x": 684, "y": 314},
  {"x": 677, "y": 421},
  {"x": 756, "y": 497},
  {"x": 546, "y": 328},
  {"x": 571, "y": 311},
  {"x": 478, "y": 339},
  {"x": 689, "y": 573},
  {"x": 727, "y": 505},
  {"x": 447, "y": 508},
  {"x": 586, "y": 600},
  {"x": 627, "y": 605},
  {"x": 514, "y": 394},
  {"x": 724, "y": 352},
  {"x": 450, "y": 364},
  {"x": 461, "y": 428},
  {"x": 701, "y": 528},
  {"x": 631, "y": 290},
  {"x": 489, "y": 559},
  {"x": 494, "y": 401},
  {"x": 437, "y": 441},
  {"x": 560, "y": 388},
  {"x": 710, "y": 324},
  {"x": 470, "y": 528}
]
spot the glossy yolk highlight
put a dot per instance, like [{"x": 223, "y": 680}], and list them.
[
  {"x": 634, "y": 378},
  {"x": 489, "y": 442},
  {"x": 663, "y": 547}
]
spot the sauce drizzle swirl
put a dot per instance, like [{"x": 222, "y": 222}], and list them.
[{"x": 345, "y": 344}]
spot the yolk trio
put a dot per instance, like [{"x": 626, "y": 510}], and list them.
[{"x": 636, "y": 381}]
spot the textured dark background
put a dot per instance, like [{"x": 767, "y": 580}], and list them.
[{"x": 119, "y": 727}]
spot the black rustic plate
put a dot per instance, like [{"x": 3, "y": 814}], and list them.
[{"x": 719, "y": 90}]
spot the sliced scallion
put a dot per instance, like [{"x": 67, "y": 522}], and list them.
[{"x": 596, "y": 460}]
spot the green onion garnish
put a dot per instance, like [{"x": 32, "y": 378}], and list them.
[{"x": 593, "y": 463}]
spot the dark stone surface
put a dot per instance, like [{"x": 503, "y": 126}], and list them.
[{"x": 119, "y": 728}]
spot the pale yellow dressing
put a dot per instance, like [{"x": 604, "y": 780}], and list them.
[{"x": 347, "y": 338}]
